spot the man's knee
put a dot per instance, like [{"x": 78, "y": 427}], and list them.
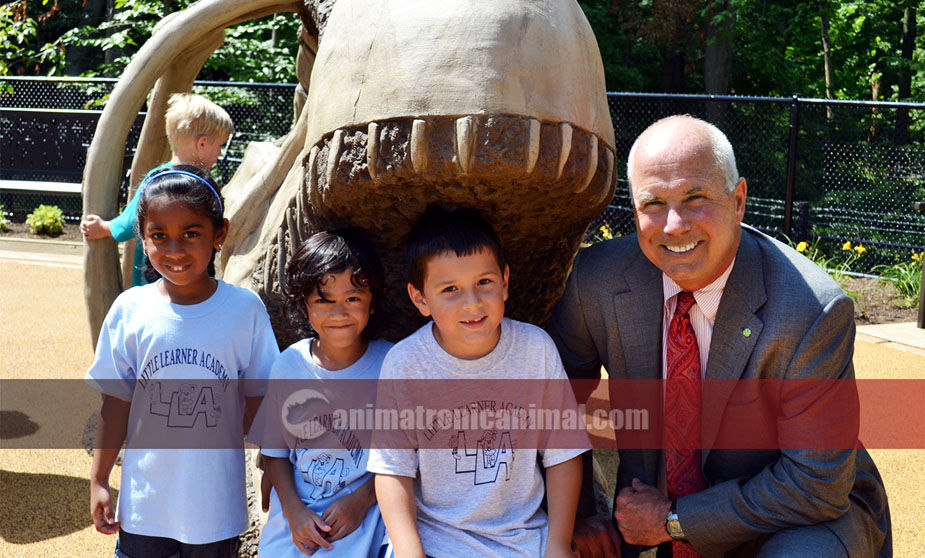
[{"x": 815, "y": 541}]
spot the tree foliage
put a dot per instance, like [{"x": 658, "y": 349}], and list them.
[
  {"x": 646, "y": 45},
  {"x": 76, "y": 37},
  {"x": 660, "y": 45}
]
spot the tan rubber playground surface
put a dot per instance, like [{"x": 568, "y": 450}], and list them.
[{"x": 44, "y": 493}]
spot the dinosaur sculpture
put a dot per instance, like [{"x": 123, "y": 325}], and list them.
[{"x": 499, "y": 106}]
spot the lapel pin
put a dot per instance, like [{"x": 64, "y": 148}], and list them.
[{"x": 746, "y": 332}]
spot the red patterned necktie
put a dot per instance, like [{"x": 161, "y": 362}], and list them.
[{"x": 682, "y": 412}]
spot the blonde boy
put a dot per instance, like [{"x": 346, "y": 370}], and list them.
[{"x": 197, "y": 129}]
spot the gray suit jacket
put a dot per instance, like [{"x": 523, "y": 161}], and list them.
[{"x": 801, "y": 326}]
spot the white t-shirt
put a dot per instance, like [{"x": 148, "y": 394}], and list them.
[
  {"x": 477, "y": 497},
  {"x": 329, "y": 466},
  {"x": 181, "y": 368}
]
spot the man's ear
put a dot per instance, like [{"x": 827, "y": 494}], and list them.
[
  {"x": 739, "y": 193},
  {"x": 504, "y": 279},
  {"x": 417, "y": 298},
  {"x": 201, "y": 142}
]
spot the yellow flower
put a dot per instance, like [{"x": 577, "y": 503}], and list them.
[
  {"x": 860, "y": 249},
  {"x": 917, "y": 257},
  {"x": 801, "y": 247},
  {"x": 846, "y": 246},
  {"x": 605, "y": 232}
]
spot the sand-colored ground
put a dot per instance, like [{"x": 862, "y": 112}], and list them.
[{"x": 44, "y": 493}]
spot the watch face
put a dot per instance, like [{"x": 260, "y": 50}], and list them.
[{"x": 673, "y": 526}]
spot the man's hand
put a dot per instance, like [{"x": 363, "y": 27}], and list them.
[
  {"x": 595, "y": 537},
  {"x": 640, "y": 514}
]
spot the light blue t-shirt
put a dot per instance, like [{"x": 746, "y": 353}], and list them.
[
  {"x": 186, "y": 370},
  {"x": 326, "y": 467}
]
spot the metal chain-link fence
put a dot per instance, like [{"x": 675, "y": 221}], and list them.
[
  {"x": 824, "y": 172},
  {"x": 47, "y": 124}
]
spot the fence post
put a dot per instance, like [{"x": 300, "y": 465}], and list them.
[
  {"x": 803, "y": 232},
  {"x": 920, "y": 207},
  {"x": 791, "y": 164}
]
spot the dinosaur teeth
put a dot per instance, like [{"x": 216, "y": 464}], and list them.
[
  {"x": 372, "y": 149},
  {"x": 592, "y": 164},
  {"x": 314, "y": 197},
  {"x": 565, "y": 143},
  {"x": 334, "y": 148},
  {"x": 419, "y": 145},
  {"x": 281, "y": 259},
  {"x": 533, "y": 145},
  {"x": 294, "y": 236},
  {"x": 609, "y": 157},
  {"x": 465, "y": 138}
]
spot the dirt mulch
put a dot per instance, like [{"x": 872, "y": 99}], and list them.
[
  {"x": 21, "y": 230},
  {"x": 878, "y": 302}
]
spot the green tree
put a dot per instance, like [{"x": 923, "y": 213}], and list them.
[
  {"x": 630, "y": 63},
  {"x": 98, "y": 38}
]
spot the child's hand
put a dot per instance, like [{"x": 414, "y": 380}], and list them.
[
  {"x": 94, "y": 228},
  {"x": 101, "y": 509},
  {"x": 346, "y": 513},
  {"x": 308, "y": 531},
  {"x": 560, "y": 549}
]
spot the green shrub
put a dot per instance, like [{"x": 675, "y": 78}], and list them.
[
  {"x": 3, "y": 220},
  {"x": 906, "y": 276},
  {"x": 46, "y": 219}
]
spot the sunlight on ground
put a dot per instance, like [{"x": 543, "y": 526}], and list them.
[{"x": 44, "y": 493}]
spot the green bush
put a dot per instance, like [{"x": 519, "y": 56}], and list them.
[
  {"x": 906, "y": 276},
  {"x": 3, "y": 219},
  {"x": 46, "y": 219}
]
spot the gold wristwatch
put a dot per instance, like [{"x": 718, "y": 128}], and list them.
[{"x": 673, "y": 525}]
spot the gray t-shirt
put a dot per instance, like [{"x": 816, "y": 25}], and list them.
[{"x": 477, "y": 497}]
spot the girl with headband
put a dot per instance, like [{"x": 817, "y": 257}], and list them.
[{"x": 170, "y": 362}]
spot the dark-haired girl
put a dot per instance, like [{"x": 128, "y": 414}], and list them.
[
  {"x": 323, "y": 500},
  {"x": 170, "y": 362}
]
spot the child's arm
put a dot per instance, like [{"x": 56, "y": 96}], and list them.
[
  {"x": 396, "y": 501},
  {"x": 251, "y": 404},
  {"x": 346, "y": 513},
  {"x": 307, "y": 528},
  {"x": 563, "y": 483},
  {"x": 110, "y": 433}
]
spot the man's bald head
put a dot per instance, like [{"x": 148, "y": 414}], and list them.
[{"x": 685, "y": 133}]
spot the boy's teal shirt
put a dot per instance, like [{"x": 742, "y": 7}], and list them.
[{"x": 123, "y": 228}]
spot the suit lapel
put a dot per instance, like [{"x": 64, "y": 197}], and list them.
[
  {"x": 735, "y": 333},
  {"x": 638, "y": 311}
]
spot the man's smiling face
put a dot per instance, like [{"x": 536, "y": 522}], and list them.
[{"x": 687, "y": 220}]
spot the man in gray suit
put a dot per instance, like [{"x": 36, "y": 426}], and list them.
[{"x": 761, "y": 311}]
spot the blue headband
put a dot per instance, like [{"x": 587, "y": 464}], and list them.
[{"x": 183, "y": 172}]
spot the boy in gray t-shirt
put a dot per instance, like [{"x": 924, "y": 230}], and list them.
[{"x": 478, "y": 496}]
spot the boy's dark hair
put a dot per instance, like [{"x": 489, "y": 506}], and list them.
[
  {"x": 199, "y": 194},
  {"x": 461, "y": 231},
  {"x": 327, "y": 252}
]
